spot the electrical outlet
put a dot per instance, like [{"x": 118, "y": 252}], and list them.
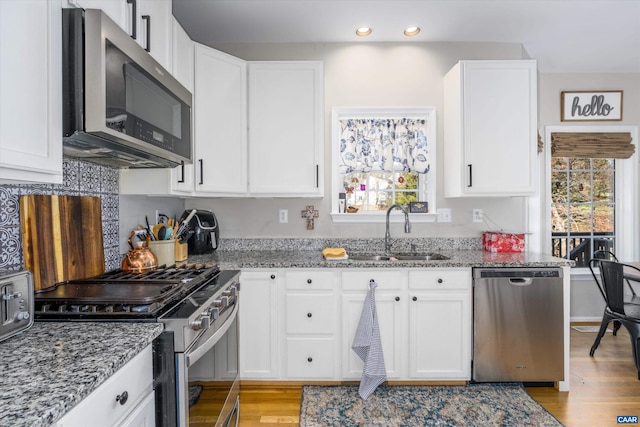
[
  {"x": 477, "y": 215},
  {"x": 444, "y": 215},
  {"x": 283, "y": 216}
]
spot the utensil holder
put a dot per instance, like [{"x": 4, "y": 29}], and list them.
[
  {"x": 181, "y": 251},
  {"x": 164, "y": 250}
]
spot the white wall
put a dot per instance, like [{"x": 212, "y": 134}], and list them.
[
  {"x": 368, "y": 75},
  {"x": 586, "y": 301}
]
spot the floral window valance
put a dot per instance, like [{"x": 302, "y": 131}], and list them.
[{"x": 384, "y": 144}]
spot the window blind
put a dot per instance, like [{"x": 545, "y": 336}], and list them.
[{"x": 609, "y": 145}]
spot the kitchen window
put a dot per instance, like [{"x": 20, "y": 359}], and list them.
[
  {"x": 381, "y": 157},
  {"x": 591, "y": 200}
]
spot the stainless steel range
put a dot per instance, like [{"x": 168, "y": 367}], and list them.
[{"x": 198, "y": 305}]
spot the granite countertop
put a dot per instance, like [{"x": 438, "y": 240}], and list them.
[
  {"x": 293, "y": 258},
  {"x": 49, "y": 368}
]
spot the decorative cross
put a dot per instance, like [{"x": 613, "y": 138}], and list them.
[{"x": 309, "y": 214}]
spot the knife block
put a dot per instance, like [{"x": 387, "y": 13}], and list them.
[{"x": 181, "y": 251}]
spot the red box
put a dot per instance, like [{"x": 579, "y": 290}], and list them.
[{"x": 498, "y": 241}]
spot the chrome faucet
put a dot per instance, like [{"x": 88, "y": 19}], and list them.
[{"x": 387, "y": 234}]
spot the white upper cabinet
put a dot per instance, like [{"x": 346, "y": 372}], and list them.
[
  {"x": 220, "y": 123},
  {"x": 490, "y": 128},
  {"x": 31, "y": 88},
  {"x": 155, "y": 24},
  {"x": 286, "y": 128},
  {"x": 147, "y": 21},
  {"x": 121, "y": 12}
]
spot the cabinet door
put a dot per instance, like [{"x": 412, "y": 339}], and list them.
[
  {"x": 182, "y": 177},
  {"x": 390, "y": 308},
  {"x": 158, "y": 28},
  {"x": 220, "y": 126},
  {"x": 258, "y": 325},
  {"x": 491, "y": 128},
  {"x": 31, "y": 88},
  {"x": 439, "y": 336},
  {"x": 286, "y": 132},
  {"x": 144, "y": 415},
  {"x": 120, "y": 11}
]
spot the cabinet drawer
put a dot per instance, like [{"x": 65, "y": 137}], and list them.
[
  {"x": 101, "y": 406},
  {"x": 359, "y": 280},
  {"x": 310, "y": 314},
  {"x": 440, "y": 279},
  {"x": 309, "y": 358},
  {"x": 310, "y": 280}
]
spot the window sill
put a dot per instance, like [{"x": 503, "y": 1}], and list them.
[{"x": 380, "y": 217}]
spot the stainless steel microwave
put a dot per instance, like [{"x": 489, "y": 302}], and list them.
[{"x": 120, "y": 106}]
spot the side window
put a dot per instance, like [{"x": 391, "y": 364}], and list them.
[{"x": 583, "y": 207}]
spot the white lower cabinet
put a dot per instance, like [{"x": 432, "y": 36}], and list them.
[
  {"x": 310, "y": 321},
  {"x": 125, "y": 399},
  {"x": 300, "y": 325},
  {"x": 258, "y": 324},
  {"x": 390, "y": 308},
  {"x": 440, "y": 324}
]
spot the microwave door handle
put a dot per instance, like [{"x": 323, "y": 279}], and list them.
[
  {"x": 134, "y": 13},
  {"x": 201, "y": 172},
  {"x": 148, "y": 19}
]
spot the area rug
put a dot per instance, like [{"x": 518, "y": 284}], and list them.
[
  {"x": 420, "y": 406},
  {"x": 588, "y": 328}
]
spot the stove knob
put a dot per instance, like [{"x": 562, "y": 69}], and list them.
[
  {"x": 203, "y": 323},
  {"x": 225, "y": 301},
  {"x": 22, "y": 315},
  {"x": 214, "y": 313}
]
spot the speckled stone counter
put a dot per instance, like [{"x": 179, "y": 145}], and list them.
[
  {"x": 48, "y": 369},
  {"x": 306, "y": 253}
]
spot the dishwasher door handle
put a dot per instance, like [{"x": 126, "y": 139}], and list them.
[{"x": 520, "y": 281}]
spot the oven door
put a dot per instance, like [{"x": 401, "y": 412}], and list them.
[{"x": 207, "y": 376}]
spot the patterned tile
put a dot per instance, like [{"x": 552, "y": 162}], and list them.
[
  {"x": 89, "y": 179},
  {"x": 110, "y": 234},
  {"x": 110, "y": 207},
  {"x": 10, "y": 248},
  {"x": 9, "y": 206},
  {"x": 112, "y": 259},
  {"x": 109, "y": 181},
  {"x": 45, "y": 189}
]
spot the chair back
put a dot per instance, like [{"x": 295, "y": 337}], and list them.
[{"x": 612, "y": 277}]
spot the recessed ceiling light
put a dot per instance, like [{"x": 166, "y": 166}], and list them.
[
  {"x": 363, "y": 31},
  {"x": 411, "y": 31}
]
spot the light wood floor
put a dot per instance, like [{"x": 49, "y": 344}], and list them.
[{"x": 602, "y": 387}]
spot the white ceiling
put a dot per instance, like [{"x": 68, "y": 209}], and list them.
[{"x": 565, "y": 36}]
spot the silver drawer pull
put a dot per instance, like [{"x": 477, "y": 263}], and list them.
[{"x": 122, "y": 398}]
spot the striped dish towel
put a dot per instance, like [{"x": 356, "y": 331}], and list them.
[{"x": 368, "y": 347}]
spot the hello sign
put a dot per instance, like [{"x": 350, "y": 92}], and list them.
[{"x": 589, "y": 106}]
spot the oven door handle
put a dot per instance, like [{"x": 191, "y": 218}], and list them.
[{"x": 196, "y": 353}]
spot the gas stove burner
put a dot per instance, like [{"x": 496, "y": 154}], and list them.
[{"x": 119, "y": 294}]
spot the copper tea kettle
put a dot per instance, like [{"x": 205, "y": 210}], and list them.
[{"x": 139, "y": 258}]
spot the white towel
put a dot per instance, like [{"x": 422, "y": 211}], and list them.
[{"x": 368, "y": 347}]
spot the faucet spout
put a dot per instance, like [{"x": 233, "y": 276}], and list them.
[{"x": 387, "y": 234}]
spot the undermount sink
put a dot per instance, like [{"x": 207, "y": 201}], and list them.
[{"x": 400, "y": 257}]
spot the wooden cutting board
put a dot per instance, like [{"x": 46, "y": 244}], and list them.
[{"x": 61, "y": 238}]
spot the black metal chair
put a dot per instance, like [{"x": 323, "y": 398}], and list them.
[
  {"x": 593, "y": 263},
  {"x": 612, "y": 275}
]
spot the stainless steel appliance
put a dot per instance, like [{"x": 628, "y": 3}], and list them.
[
  {"x": 518, "y": 325},
  {"x": 16, "y": 306},
  {"x": 120, "y": 106},
  {"x": 198, "y": 305}
]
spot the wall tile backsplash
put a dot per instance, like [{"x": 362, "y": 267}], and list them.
[{"x": 79, "y": 179}]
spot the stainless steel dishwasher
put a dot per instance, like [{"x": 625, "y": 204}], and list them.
[{"x": 518, "y": 325}]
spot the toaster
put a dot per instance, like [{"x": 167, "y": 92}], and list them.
[{"x": 16, "y": 306}]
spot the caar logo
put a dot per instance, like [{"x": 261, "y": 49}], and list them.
[{"x": 627, "y": 419}]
